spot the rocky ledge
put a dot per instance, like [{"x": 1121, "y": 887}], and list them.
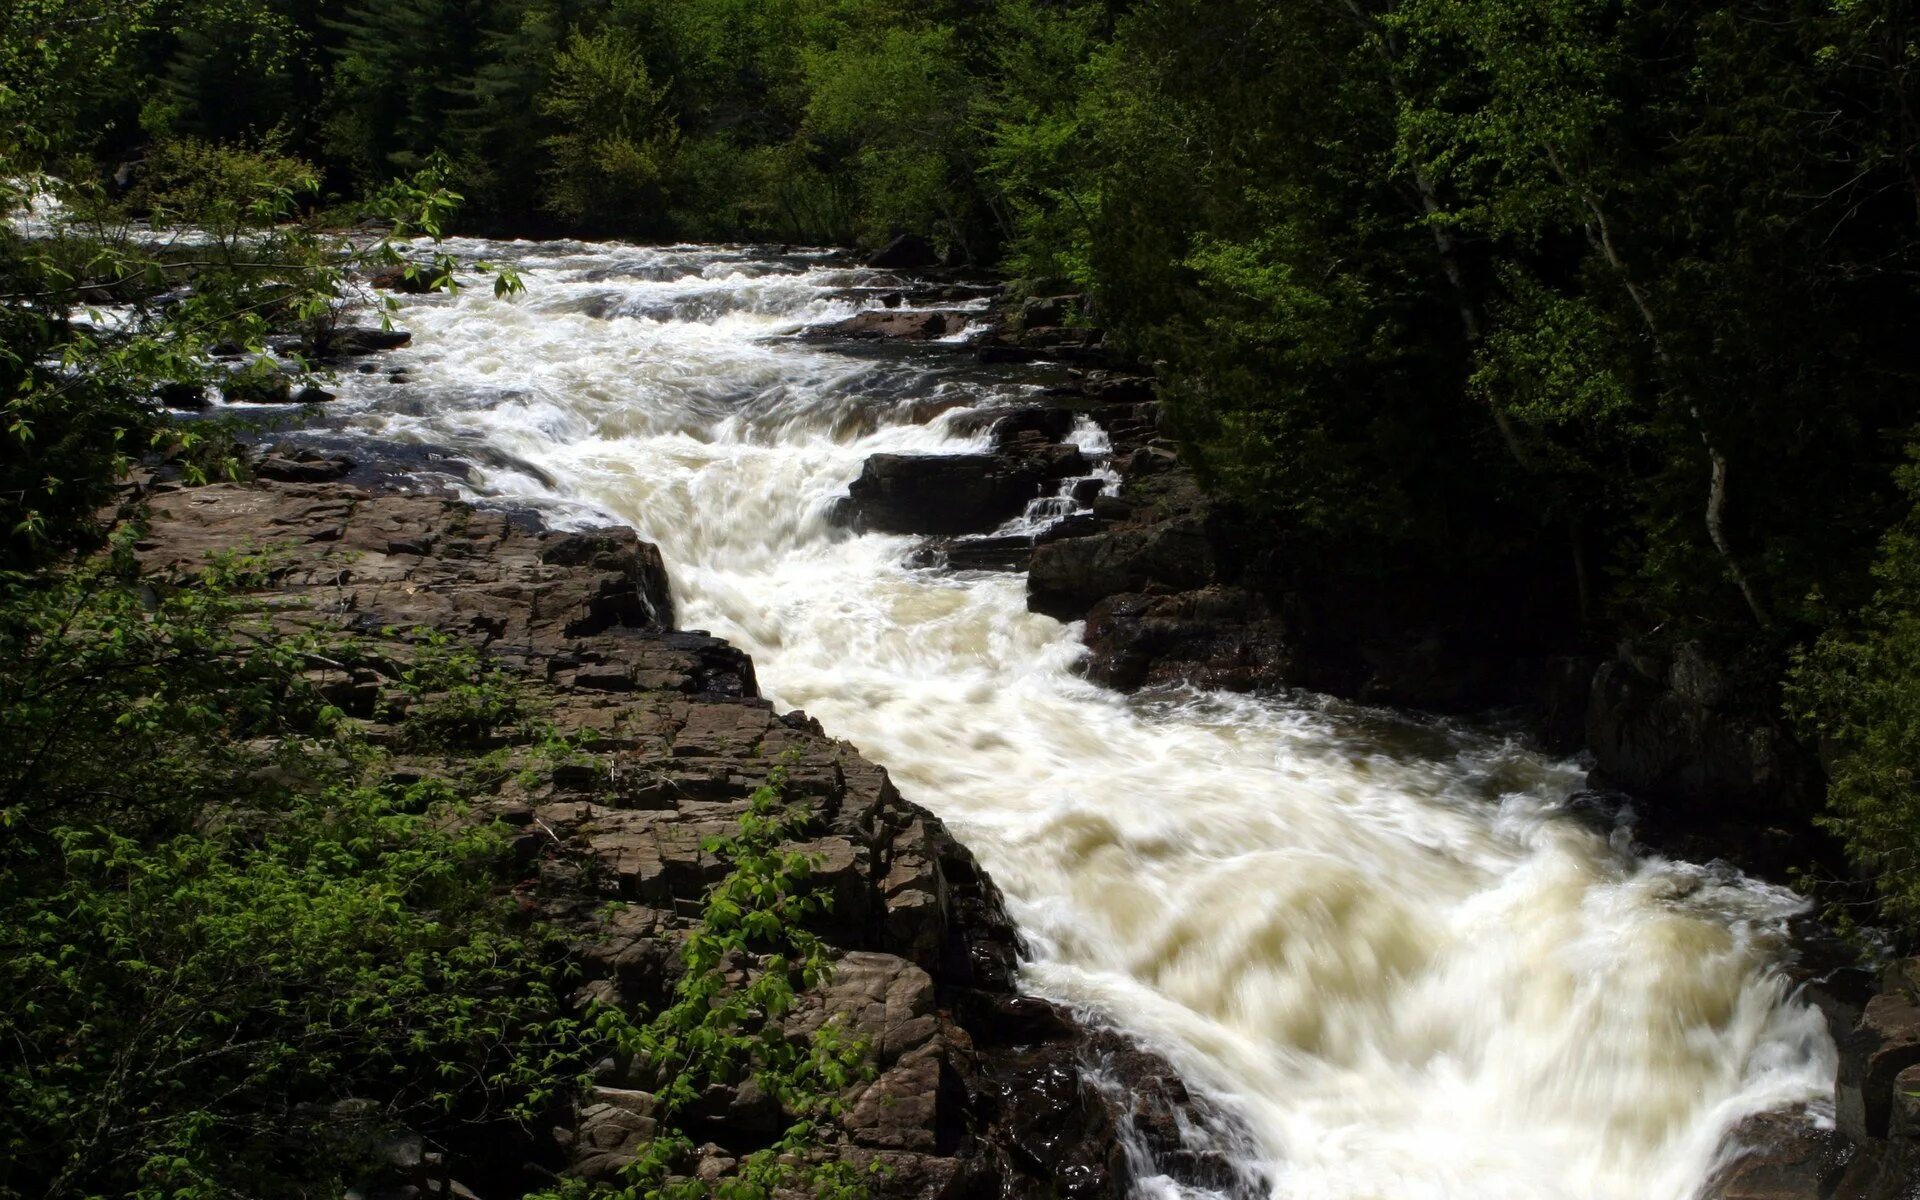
[{"x": 977, "y": 1090}]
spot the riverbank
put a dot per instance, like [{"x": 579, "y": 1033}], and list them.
[{"x": 975, "y": 1086}]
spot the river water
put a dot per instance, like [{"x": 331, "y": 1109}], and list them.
[{"x": 1383, "y": 940}]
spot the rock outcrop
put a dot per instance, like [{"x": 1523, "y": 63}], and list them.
[
  {"x": 899, "y": 324},
  {"x": 1871, "y": 1150},
  {"x": 976, "y": 1089},
  {"x": 952, "y": 494}
]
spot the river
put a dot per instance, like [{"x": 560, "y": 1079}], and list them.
[{"x": 1382, "y": 939}]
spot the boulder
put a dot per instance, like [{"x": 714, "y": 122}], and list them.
[
  {"x": 1780, "y": 1156},
  {"x": 950, "y": 493},
  {"x": 356, "y": 341},
  {"x": 288, "y": 465},
  {"x": 910, "y": 325},
  {"x": 908, "y": 252},
  {"x": 1664, "y": 730},
  {"x": 1884, "y": 1043},
  {"x": 1039, "y": 311},
  {"x": 1213, "y": 637},
  {"x": 396, "y": 279},
  {"x": 258, "y": 386},
  {"x": 1069, "y": 577},
  {"x": 185, "y": 396}
]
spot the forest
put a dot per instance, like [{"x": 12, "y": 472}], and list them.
[{"x": 1602, "y": 308}]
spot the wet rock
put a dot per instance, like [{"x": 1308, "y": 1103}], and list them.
[
  {"x": 951, "y": 493},
  {"x": 1780, "y": 1156},
  {"x": 1214, "y": 637},
  {"x": 912, "y": 325},
  {"x": 258, "y": 385},
  {"x": 909, "y": 251},
  {"x": 995, "y": 352},
  {"x": 1885, "y": 1042},
  {"x": 357, "y": 341},
  {"x": 397, "y": 279},
  {"x": 288, "y": 465},
  {"x": 1069, "y": 577},
  {"x": 1655, "y": 730},
  {"x": 184, "y": 396}
]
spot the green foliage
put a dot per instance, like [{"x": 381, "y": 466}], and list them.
[
  {"x": 455, "y": 698},
  {"x": 744, "y": 964},
  {"x": 230, "y": 962},
  {"x": 615, "y": 146},
  {"x": 1857, "y": 690}
]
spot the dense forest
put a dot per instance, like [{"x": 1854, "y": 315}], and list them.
[{"x": 1606, "y": 302}]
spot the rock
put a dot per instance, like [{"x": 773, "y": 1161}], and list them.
[
  {"x": 258, "y": 385},
  {"x": 1015, "y": 425},
  {"x": 1779, "y": 1156},
  {"x": 951, "y": 493},
  {"x": 1884, "y": 1043},
  {"x": 185, "y": 396},
  {"x": 976, "y": 1090},
  {"x": 1661, "y": 741},
  {"x": 1038, "y": 311},
  {"x": 288, "y": 465},
  {"x": 313, "y": 395},
  {"x": 1215, "y": 637},
  {"x": 995, "y": 352},
  {"x": 909, "y": 251},
  {"x": 913, "y": 325},
  {"x": 613, "y": 1125},
  {"x": 396, "y": 279},
  {"x": 356, "y": 341},
  {"x": 1007, "y": 553},
  {"x": 1069, "y": 577}
]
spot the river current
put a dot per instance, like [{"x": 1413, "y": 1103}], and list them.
[{"x": 1383, "y": 940}]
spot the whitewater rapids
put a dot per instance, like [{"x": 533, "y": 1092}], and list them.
[{"x": 1383, "y": 941}]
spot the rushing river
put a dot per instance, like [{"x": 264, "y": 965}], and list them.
[{"x": 1382, "y": 940}]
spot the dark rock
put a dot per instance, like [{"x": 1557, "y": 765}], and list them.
[
  {"x": 288, "y": 465},
  {"x": 1884, "y": 1043},
  {"x": 1012, "y": 425},
  {"x": 187, "y": 396},
  {"x": 907, "y": 252},
  {"x": 1566, "y": 690},
  {"x": 258, "y": 386},
  {"x": 912, "y": 325},
  {"x": 1656, "y": 740},
  {"x": 1213, "y": 637},
  {"x": 397, "y": 279},
  {"x": 1069, "y": 577},
  {"x": 994, "y": 352},
  {"x": 356, "y": 341},
  {"x": 950, "y": 493},
  {"x": 1039, "y": 311},
  {"x": 975, "y": 1090},
  {"x": 1780, "y": 1156}
]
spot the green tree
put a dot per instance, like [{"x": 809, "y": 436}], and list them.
[{"x": 615, "y": 142}]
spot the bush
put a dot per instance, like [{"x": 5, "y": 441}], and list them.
[
  {"x": 231, "y": 959},
  {"x": 1857, "y": 690}
]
